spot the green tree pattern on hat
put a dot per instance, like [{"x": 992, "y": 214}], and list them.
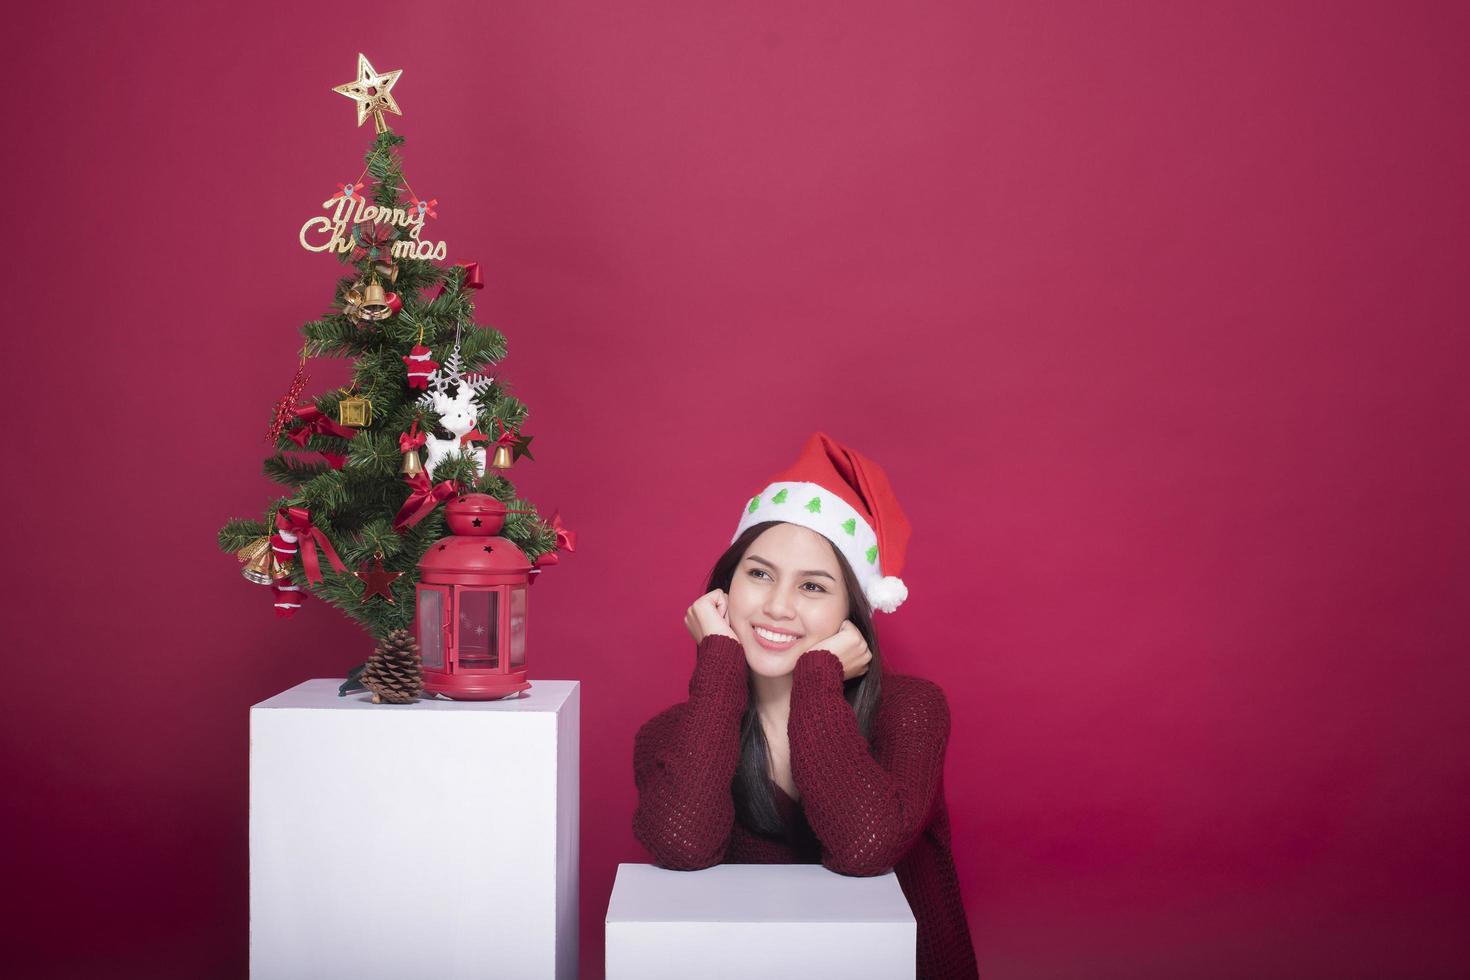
[
  {"x": 872, "y": 554},
  {"x": 779, "y": 498},
  {"x": 754, "y": 503},
  {"x": 814, "y": 505},
  {"x": 850, "y": 525}
]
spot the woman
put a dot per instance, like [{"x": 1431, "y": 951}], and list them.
[{"x": 794, "y": 746}]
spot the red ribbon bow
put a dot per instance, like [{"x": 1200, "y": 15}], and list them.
[
  {"x": 566, "y": 540},
  {"x": 345, "y": 190},
  {"x": 317, "y": 422},
  {"x": 297, "y": 520},
  {"x": 412, "y": 439},
  {"x": 472, "y": 279},
  {"x": 425, "y": 496},
  {"x": 474, "y": 435},
  {"x": 375, "y": 242},
  {"x": 508, "y": 437}
]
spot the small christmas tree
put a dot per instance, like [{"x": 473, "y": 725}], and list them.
[{"x": 350, "y": 458}]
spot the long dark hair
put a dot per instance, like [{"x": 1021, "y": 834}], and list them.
[{"x": 755, "y": 807}]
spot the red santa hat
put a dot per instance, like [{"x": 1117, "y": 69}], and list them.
[{"x": 845, "y": 497}]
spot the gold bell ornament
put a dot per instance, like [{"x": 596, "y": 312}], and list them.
[
  {"x": 260, "y": 563},
  {"x": 504, "y": 456},
  {"x": 409, "y": 443},
  {"x": 369, "y": 301},
  {"x": 375, "y": 305}
]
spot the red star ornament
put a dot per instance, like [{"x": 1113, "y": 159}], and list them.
[{"x": 377, "y": 581}]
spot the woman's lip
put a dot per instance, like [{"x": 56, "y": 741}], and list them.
[{"x": 772, "y": 646}]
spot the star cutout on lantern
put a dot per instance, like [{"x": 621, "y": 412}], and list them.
[
  {"x": 377, "y": 581},
  {"x": 476, "y": 522},
  {"x": 372, "y": 92}
]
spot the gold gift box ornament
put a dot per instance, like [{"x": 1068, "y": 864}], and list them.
[{"x": 356, "y": 411}]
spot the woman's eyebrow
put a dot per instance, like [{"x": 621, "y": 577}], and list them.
[{"x": 809, "y": 571}]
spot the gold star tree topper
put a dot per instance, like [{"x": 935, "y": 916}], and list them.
[{"x": 372, "y": 92}]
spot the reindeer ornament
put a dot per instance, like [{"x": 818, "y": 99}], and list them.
[{"x": 456, "y": 413}]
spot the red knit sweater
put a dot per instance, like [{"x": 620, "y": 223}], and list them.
[{"x": 862, "y": 810}]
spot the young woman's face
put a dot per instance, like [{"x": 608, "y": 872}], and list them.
[{"x": 787, "y": 595}]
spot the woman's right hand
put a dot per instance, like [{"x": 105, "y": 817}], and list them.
[{"x": 709, "y": 615}]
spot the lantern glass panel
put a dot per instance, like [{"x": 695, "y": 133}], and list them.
[
  {"x": 479, "y": 630},
  {"x": 517, "y": 627},
  {"x": 431, "y": 627}
]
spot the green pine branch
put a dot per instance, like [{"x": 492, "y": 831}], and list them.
[
  {"x": 236, "y": 534},
  {"x": 292, "y": 470}
]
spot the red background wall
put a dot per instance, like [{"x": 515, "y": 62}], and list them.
[{"x": 1155, "y": 313}]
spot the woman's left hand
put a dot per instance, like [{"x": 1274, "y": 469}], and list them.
[{"x": 848, "y": 646}]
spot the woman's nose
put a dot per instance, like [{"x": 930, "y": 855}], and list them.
[{"x": 779, "y": 604}]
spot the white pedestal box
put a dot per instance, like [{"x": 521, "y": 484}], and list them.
[
  {"x": 435, "y": 839},
  {"x": 757, "y": 920}
]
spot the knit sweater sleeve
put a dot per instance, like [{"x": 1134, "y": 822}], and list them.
[
  {"x": 866, "y": 810},
  {"x": 684, "y": 760}
]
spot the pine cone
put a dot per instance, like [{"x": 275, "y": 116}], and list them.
[{"x": 393, "y": 672}]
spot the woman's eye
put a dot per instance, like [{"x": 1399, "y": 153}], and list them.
[{"x": 761, "y": 573}]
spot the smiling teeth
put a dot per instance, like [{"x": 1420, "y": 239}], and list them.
[{"x": 774, "y": 637}]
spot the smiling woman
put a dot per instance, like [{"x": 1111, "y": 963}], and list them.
[
  {"x": 794, "y": 746},
  {"x": 798, "y": 611}
]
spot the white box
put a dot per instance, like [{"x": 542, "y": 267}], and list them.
[
  {"x": 757, "y": 920},
  {"x": 435, "y": 839}
]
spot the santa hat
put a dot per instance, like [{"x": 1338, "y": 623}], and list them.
[{"x": 845, "y": 497}]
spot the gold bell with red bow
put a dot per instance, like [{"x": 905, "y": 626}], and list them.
[{"x": 259, "y": 561}]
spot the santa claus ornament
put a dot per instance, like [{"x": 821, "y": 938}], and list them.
[
  {"x": 420, "y": 366},
  {"x": 845, "y": 497},
  {"x": 288, "y": 597},
  {"x": 283, "y": 543}
]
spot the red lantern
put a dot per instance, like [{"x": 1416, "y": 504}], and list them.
[{"x": 470, "y": 616}]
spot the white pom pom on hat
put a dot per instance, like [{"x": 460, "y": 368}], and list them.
[
  {"x": 886, "y": 593},
  {"x": 845, "y": 497}
]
